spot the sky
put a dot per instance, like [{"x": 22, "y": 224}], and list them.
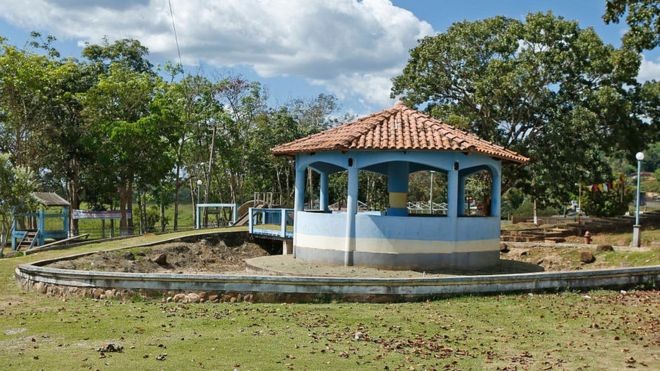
[{"x": 295, "y": 48}]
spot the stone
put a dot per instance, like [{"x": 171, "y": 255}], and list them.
[
  {"x": 203, "y": 295},
  {"x": 109, "y": 294},
  {"x": 248, "y": 298},
  {"x": 213, "y": 298},
  {"x": 504, "y": 248},
  {"x": 192, "y": 298},
  {"x": 604, "y": 248},
  {"x": 96, "y": 293},
  {"x": 587, "y": 257},
  {"x": 161, "y": 259},
  {"x": 40, "y": 287},
  {"x": 178, "y": 298},
  {"x": 110, "y": 348}
]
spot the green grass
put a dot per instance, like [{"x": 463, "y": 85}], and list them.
[{"x": 567, "y": 331}]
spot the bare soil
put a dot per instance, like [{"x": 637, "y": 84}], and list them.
[
  {"x": 177, "y": 257},
  {"x": 229, "y": 255}
]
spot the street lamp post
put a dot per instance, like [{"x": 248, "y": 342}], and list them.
[
  {"x": 197, "y": 213},
  {"x": 636, "y": 240}
]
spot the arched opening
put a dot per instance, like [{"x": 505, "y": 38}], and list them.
[
  {"x": 476, "y": 192},
  {"x": 427, "y": 193}
]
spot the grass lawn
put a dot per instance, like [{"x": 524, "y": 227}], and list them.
[{"x": 595, "y": 330}]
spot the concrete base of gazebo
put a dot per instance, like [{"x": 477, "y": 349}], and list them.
[{"x": 426, "y": 244}]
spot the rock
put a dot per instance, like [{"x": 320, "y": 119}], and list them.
[
  {"x": 203, "y": 296},
  {"x": 96, "y": 293},
  {"x": 587, "y": 257},
  {"x": 213, "y": 298},
  {"x": 504, "y": 248},
  {"x": 40, "y": 287},
  {"x": 192, "y": 298},
  {"x": 604, "y": 248},
  {"x": 110, "y": 294},
  {"x": 161, "y": 259},
  {"x": 540, "y": 262},
  {"x": 232, "y": 299},
  {"x": 358, "y": 336},
  {"x": 524, "y": 253},
  {"x": 110, "y": 348},
  {"x": 248, "y": 298},
  {"x": 178, "y": 298}
]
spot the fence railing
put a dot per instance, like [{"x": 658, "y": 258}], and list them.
[
  {"x": 426, "y": 207},
  {"x": 271, "y": 222}
]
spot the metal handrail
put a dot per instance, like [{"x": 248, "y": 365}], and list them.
[{"x": 284, "y": 222}]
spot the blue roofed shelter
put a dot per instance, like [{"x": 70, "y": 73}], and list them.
[{"x": 396, "y": 142}]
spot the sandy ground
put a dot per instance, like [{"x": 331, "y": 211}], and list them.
[{"x": 176, "y": 257}]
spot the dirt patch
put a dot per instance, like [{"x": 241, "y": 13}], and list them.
[
  {"x": 203, "y": 256},
  {"x": 555, "y": 259}
]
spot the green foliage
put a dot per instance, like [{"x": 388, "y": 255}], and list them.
[
  {"x": 612, "y": 203},
  {"x": 544, "y": 87},
  {"x": 16, "y": 184},
  {"x": 526, "y": 209},
  {"x": 643, "y": 18},
  {"x": 512, "y": 199}
]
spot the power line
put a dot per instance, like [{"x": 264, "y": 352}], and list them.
[{"x": 176, "y": 38}]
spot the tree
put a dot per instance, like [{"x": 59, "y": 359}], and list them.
[
  {"x": 543, "y": 87},
  {"x": 23, "y": 86},
  {"x": 643, "y": 18},
  {"x": 16, "y": 184},
  {"x": 127, "y": 136}
]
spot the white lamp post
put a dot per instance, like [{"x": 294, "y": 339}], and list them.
[
  {"x": 197, "y": 213},
  {"x": 636, "y": 240}
]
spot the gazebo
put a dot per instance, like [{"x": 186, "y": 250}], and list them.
[{"x": 396, "y": 142}]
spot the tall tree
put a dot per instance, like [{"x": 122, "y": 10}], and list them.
[{"x": 544, "y": 87}]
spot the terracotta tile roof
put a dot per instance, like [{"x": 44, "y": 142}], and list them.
[{"x": 397, "y": 128}]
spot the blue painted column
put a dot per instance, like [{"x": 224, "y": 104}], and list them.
[
  {"x": 461, "y": 195},
  {"x": 397, "y": 186},
  {"x": 65, "y": 217},
  {"x": 452, "y": 193},
  {"x": 496, "y": 192},
  {"x": 323, "y": 192},
  {"x": 299, "y": 200},
  {"x": 41, "y": 226},
  {"x": 351, "y": 210}
]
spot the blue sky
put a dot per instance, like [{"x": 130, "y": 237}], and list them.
[{"x": 296, "y": 48}]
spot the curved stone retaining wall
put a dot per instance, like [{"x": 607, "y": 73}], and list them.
[{"x": 290, "y": 288}]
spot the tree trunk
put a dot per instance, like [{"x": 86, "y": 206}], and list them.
[
  {"x": 139, "y": 204},
  {"x": 130, "y": 205},
  {"x": 162, "y": 213},
  {"x": 74, "y": 197},
  {"x": 123, "y": 202}
]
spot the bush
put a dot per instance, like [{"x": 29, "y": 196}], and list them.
[{"x": 606, "y": 203}]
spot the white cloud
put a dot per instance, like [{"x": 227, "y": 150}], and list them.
[
  {"x": 351, "y": 47},
  {"x": 649, "y": 70}
]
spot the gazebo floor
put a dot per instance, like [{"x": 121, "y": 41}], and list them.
[{"x": 287, "y": 265}]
